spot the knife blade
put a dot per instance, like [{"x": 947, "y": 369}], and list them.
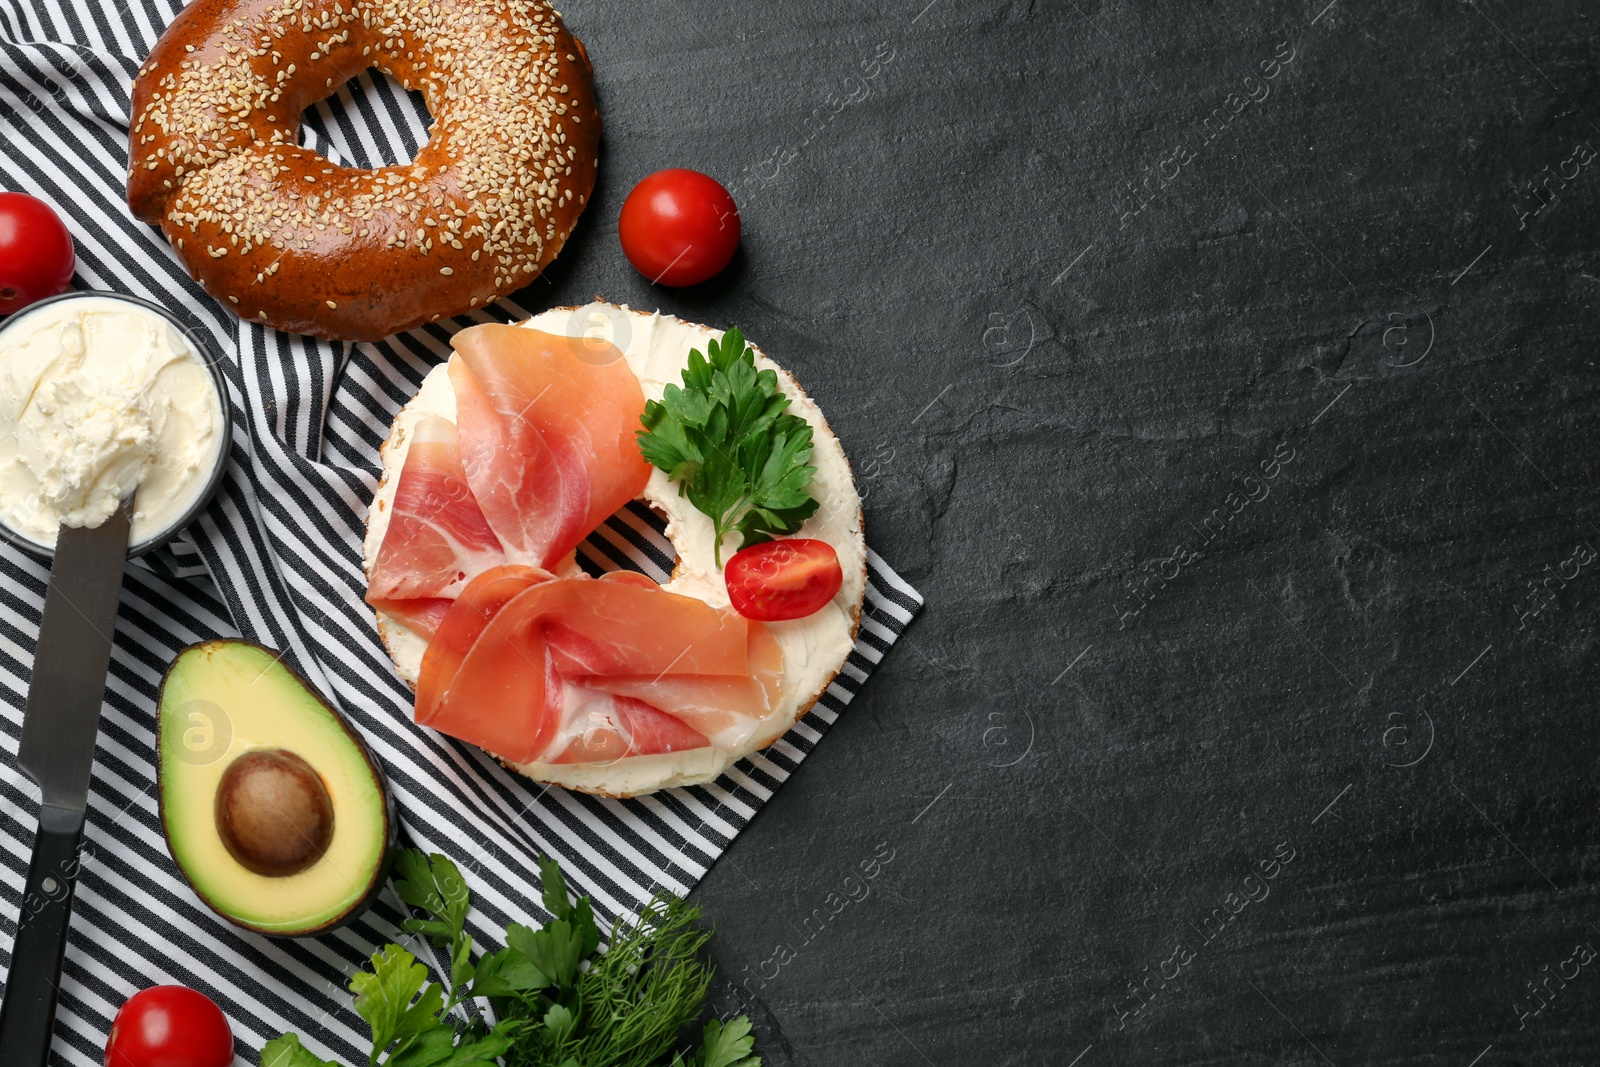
[
  {"x": 59, "y": 728},
  {"x": 74, "y": 652}
]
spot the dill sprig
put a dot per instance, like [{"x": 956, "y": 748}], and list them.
[{"x": 635, "y": 997}]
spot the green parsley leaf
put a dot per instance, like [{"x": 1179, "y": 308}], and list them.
[
  {"x": 384, "y": 999},
  {"x": 583, "y": 925},
  {"x": 725, "y": 1045},
  {"x": 438, "y": 1048},
  {"x": 434, "y": 885},
  {"x": 555, "y": 950},
  {"x": 729, "y": 441},
  {"x": 555, "y": 888},
  {"x": 286, "y": 1051},
  {"x": 559, "y": 1021},
  {"x": 461, "y": 969},
  {"x": 503, "y": 973}
]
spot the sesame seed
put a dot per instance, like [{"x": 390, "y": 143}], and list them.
[
  {"x": 446, "y": 271},
  {"x": 332, "y": 305}
]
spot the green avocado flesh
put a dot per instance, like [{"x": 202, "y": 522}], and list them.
[{"x": 273, "y": 809}]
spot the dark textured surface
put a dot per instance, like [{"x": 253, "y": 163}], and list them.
[{"x": 1061, "y": 352}]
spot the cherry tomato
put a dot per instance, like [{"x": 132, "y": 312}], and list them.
[
  {"x": 169, "y": 1026},
  {"x": 36, "y": 257},
  {"x": 679, "y": 227},
  {"x": 783, "y": 579}
]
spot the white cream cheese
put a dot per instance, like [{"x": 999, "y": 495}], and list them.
[
  {"x": 656, "y": 348},
  {"x": 99, "y": 396}
]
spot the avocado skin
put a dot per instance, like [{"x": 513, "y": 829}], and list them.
[{"x": 391, "y": 825}]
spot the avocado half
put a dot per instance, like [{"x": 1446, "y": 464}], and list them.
[{"x": 273, "y": 807}]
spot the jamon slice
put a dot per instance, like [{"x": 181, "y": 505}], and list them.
[
  {"x": 421, "y": 616},
  {"x": 547, "y": 436},
  {"x": 469, "y": 615},
  {"x": 720, "y": 710},
  {"x": 604, "y": 728},
  {"x": 726, "y": 710},
  {"x": 437, "y": 539},
  {"x": 504, "y": 670}
]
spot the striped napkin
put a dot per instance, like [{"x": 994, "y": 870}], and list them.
[{"x": 277, "y": 559}]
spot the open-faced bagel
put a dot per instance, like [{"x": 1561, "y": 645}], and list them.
[
  {"x": 656, "y": 348},
  {"x": 290, "y": 240}
]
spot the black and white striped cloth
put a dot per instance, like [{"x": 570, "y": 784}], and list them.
[{"x": 277, "y": 558}]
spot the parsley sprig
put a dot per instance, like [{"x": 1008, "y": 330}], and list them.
[
  {"x": 558, "y": 1001},
  {"x": 729, "y": 441}
]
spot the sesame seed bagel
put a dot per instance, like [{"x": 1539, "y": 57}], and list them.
[
  {"x": 816, "y": 648},
  {"x": 290, "y": 240}
]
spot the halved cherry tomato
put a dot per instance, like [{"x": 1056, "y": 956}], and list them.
[
  {"x": 36, "y": 256},
  {"x": 783, "y": 579},
  {"x": 679, "y": 227},
  {"x": 169, "y": 1026}
]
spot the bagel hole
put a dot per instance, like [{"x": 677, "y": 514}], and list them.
[
  {"x": 371, "y": 101},
  {"x": 637, "y": 532}
]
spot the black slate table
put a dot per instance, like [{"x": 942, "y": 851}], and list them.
[{"x": 1225, "y": 377}]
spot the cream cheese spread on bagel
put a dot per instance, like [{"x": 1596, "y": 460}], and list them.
[{"x": 656, "y": 349}]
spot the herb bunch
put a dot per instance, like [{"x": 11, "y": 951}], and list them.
[
  {"x": 557, "y": 1001},
  {"x": 729, "y": 441}
]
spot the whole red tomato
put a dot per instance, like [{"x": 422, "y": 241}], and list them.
[
  {"x": 36, "y": 257},
  {"x": 679, "y": 227},
  {"x": 169, "y": 1026},
  {"x": 783, "y": 579}
]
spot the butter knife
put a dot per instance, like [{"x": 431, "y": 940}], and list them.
[{"x": 57, "y": 751}]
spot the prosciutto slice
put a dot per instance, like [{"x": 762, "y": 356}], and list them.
[
  {"x": 420, "y": 616},
  {"x": 547, "y": 436},
  {"x": 726, "y": 709},
  {"x": 604, "y": 728},
  {"x": 438, "y": 538},
  {"x": 535, "y": 668}
]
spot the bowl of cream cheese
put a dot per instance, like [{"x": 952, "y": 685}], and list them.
[{"x": 102, "y": 395}]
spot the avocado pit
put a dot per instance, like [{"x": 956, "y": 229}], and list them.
[{"x": 273, "y": 813}]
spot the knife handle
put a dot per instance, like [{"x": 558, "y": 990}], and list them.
[{"x": 27, "y": 1017}]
